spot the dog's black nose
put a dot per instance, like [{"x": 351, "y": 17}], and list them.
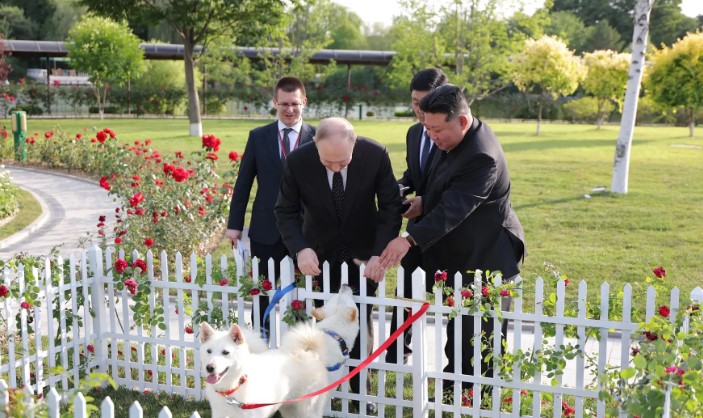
[{"x": 210, "y": 369}]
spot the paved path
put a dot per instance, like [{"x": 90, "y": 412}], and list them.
[{"x": 70, "y": 209}]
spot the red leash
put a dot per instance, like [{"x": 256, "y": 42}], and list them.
[{"x": 357, "y": 369}]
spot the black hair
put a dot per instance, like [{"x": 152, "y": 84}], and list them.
[
  {"x": 447, "y": 99},
  {"x": 428, "y": 79}
]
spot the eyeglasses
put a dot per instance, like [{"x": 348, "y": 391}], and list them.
[{"x": 291, "y": 105}]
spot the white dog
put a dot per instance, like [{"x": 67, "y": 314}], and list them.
[{"x": 239, "y": 373}]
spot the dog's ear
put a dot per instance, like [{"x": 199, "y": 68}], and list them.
[
  {"x": 352, "y": 314},
  {"x": 206, "y": 332},
  {"x": 318, "y": 314},
  {"x": 236, "y": 333}
]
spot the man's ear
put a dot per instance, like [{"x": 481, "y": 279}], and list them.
[{"x": 464, "y": 121}]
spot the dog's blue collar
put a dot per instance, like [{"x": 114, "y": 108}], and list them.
[{"x": 342, "y": 346}]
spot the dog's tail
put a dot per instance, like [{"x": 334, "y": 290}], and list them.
[{"x": 304, "y": 341}]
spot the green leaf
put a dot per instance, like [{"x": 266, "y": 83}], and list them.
[
  {"x": 628, "y": 373},
  {"x": 640, "y": 362}
]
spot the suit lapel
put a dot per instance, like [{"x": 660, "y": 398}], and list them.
[
  {"x": 272, "y": 140},
  {"x": 414, "y": 151},
  {"x": 305, "y": 134}
]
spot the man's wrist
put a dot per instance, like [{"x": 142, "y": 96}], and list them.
[{"x": 405, "y": 235}]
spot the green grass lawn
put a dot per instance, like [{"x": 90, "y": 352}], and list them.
[
  {"x": 610, "y": 238},
  {"x": 29, "y": 210}
]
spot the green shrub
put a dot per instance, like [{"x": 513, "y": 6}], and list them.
[
  {"x": 31, "y": 109},
  {"x": 585, "y": 110},
  {"x": 8, "y": 195},
  {"x": 404, "y": 113}
]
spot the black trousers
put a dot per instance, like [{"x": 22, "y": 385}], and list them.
[
  {"x": 411, "y": 261},
  {"x": 354, "y": 282},
  {"x": 264, "y": 252}
]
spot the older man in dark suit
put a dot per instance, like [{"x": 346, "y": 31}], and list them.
[
  {"x": 337, "y": 182},
  {"x": 468, "y": 221},
  {"x": 267, "y": 149}
]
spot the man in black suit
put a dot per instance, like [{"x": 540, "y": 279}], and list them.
[
  {"x": 419, "y": 155},
  {"x": 468, "y": 221},
  {"x": 266, "y": 150},
  {"x": 336, "y": 182}
]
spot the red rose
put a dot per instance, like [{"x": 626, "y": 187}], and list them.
[
  {"x": 149, "y": 242},
  {"x": 297, "y": 305},
  {"x": 135, "y": 200},
  {"x": 650, "y": 336},
  {"x": 466, "y": 294},
  {"x": 104, "y": 183},
  {"x": 224, "y": 282},
  {"x": 266, "y": 285},
  {"x": 141, "y": 264},
  {"x": 505, "y": 292},
  {"x": 79, "y": 136},
  {"x": 4, "y": 291},
  {"x": 450, "y": 301},
  {"x": 211, "y": 142},
  {"x": 118, "y": 240},
  {"x": 187, "y": 279},
  {"x": 168, "y": 168},
  {"x": 664, "y": 311},
  {"x": 121, "y": 265},
  {"x": 566, "y": 282},
  {"x": 91, "y": 348},
  {"x": 48, "y": 134},
  {"x": 659, "y": 272},
  {"x": 233, "y": 156},
  {"x": 440, "y": 276},
  {"x": 101, "y": 136},
  {"x": 25, "y": 305},
  {"x": 211, "y": 156},
  {"x": 130, "y": 283},
  {"x": 179, "y": 154},
  {"x": 189, "y": 330},
  {"x": 484, "y": 291},
  {"x": 180, "y": 175},
  {"x": 254, "y": 292}
]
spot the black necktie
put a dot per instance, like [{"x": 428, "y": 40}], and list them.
[
  {"x": 342, "y": 253},
  {"x": 338, "y": 193},
  {"x": 286, "y": 143},
  {"x": 425, "y": 152}
]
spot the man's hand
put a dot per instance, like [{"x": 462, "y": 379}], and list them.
[
  {"x": 415, "y": 208},
  {"x": 374, "y": 271},
  {"x": 307, "y": 262},
  {"x": 394, "y": 252},
  {"x": 233, "y": 235}
]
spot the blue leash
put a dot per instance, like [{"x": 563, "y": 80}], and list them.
[{"x": 274, "y": 300}]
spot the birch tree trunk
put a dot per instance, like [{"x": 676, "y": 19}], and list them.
[
  {"x": 196, "y": 126},
  {"x": 621, "y": 163}
]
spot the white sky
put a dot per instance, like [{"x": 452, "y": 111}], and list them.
[{"x": 372, "y": 11}]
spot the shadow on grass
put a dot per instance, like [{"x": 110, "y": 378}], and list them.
[{"x": 558, "y": 201}]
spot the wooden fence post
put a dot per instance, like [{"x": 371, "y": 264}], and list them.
[
  {"x": 97, "y": 301},
  {"x": 419, "y": 344}
]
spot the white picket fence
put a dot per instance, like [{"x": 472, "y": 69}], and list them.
[{"x": 82, "y": 323}]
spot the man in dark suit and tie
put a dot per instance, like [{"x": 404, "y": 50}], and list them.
[
  {"x": 419, "y": 155},
  {"x": 266, "y": 150},
  {"x": 337, "y": 181},
  {"x": 468, "y": 221}
]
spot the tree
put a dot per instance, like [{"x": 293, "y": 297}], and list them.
[
  {"x": 482, "y": 43},
  {"x": 569, "y": 27},
  {"x": 621, "y": 163},
  {"x": 548, "y": 68},
  {"x": 675, "y": 78},
  {"x": 198, "y": 23},
  {"x": 669, "y": 24},
  {"x": 15, "y": 25},
  {"x": 378, "y": 37},
  {"x": 603, "y": 36},
  {"x": 5, "y": 68},
  {"x": 107, "y": 51},
  {"x": 416, "y": 42},
  {"x": 65, "y": 16},
  {"x": 345, "y": 29},
  {"x": 38, "y": 12},
  {"x": 606, "y": 78}
]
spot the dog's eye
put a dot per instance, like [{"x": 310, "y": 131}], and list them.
[
  {"x": 209, "y": 351},
  {"x": 225, "y": 352}
]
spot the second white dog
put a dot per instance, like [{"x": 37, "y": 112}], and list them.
[{"x": 309, "y": 359}]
